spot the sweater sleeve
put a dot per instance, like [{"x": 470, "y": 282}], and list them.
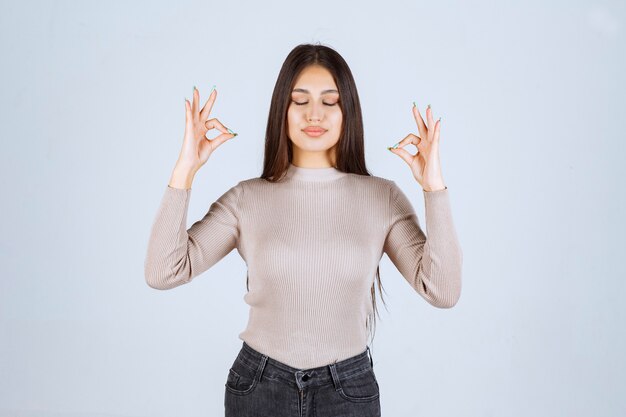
[
  {"x": 175, "y": 254},
  {"x": 431, "y": 265}
]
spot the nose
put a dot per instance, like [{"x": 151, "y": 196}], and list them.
[
  {"x": 314, "y": 113},
  {"x": 313, "y": 116}
]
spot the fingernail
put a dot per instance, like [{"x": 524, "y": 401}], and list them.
[
  {"x": 389, "y": 148},
  {"x": 212, "y": 88},
  {"x": 439, "y": 118},
  {"x": 396, "y": 145},
  {"x": 194, "y": 89},
  {"x": 231, "y": 132},
  {"x": 414, "y": 105},
  {"x": 429, "y": 106}
]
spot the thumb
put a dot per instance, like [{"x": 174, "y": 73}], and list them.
[
  {"x": 405, "y": 155},
  {"x": 218, "y": 140}
]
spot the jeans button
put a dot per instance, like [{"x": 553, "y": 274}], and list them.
[{"x": 305, "y": 377}]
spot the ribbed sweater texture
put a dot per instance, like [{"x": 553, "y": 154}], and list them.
[{"x": 311, "y": 244}]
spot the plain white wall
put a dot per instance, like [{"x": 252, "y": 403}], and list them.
[{"x": 532, "y": 147}]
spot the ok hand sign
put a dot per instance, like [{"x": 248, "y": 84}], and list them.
[
  {"x": 425, "y": 164},
  {"x": 197, "y": 147}
]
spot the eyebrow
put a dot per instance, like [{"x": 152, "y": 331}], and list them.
[{"x": 302, "y": 90}]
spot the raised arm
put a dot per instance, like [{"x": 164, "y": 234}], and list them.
[
  {"x": 176, "y": 254},
  {"x": 431, "y": 264}
]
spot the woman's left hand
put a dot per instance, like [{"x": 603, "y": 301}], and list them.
[{"x": 425, "y": 164}]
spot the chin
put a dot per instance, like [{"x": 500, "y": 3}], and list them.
[{"x": 312, "y": 145}]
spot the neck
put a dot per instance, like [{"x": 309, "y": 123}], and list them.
[{"x": 314, "y": 174}]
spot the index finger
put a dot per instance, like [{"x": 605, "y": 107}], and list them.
[{"x": 206, "y": 110}]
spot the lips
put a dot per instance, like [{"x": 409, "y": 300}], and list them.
[{"x": 314, "y": 130}]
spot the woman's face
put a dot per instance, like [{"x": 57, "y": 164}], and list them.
[{"x": 314, "y": 104}]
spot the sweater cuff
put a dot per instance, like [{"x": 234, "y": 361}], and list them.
[
  {"x": 436, "y": 191},
  {"x": 173, "y": 190},
  {"x": 437, "y": 202}
]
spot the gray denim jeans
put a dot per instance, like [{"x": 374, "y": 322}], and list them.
[{"x": 260, "y": 386}]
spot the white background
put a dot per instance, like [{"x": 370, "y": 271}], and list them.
[{"x": 531, "y": 97}]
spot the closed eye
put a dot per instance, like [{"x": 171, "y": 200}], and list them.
[{"x": 302, "y": 104}]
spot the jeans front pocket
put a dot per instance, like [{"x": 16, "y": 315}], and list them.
[
  {"x": 241, "y": 379},
  {"x": 361, "y": 387}
]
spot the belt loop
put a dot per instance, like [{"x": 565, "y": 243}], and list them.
[
  {"x": 261, "y": 366},
  {"x": 333, "y": 373}
]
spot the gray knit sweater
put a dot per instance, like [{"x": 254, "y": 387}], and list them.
[{"x": 311, "y": 244}]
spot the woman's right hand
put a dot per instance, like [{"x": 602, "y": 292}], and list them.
[{"x": 197, "y": 148}]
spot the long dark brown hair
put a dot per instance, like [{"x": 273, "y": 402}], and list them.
[{"x": 350, "y": 151}]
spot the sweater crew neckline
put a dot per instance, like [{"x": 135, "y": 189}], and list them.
[{"x": 314, "y": 174}]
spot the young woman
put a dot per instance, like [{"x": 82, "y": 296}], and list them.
[{"x": 312, "y": 230}]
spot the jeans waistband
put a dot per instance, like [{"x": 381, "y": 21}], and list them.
[{"x": 267, "y": 367}]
